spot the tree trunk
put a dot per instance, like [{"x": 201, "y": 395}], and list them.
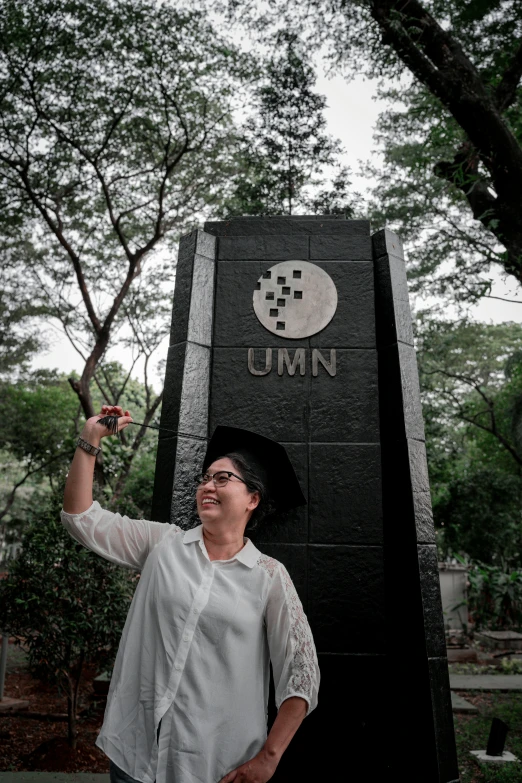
[
  {"x": 72, "y": 702},
  {"x": 71, "y": 719},
  {"x": 438, "y": 61}
]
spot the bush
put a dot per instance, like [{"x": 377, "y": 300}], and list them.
[
  {"x": 67, "y": 605},
  {"x": 479, "y": 516},
  {"x": 495, "y": 597}
]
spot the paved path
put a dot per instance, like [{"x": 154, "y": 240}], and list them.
[
  {"x": 486, "y": 682},
  {"x": 52, "y": 777}
]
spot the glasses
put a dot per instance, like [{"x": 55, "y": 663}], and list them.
[{"x": 220, "y": 478}]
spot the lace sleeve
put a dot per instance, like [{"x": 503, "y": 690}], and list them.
[
  {"x": 292, "y": 648},
  {"x": 117, "y": 538}
]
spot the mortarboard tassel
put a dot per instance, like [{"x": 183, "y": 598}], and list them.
[{"x": 111, "y": 422}]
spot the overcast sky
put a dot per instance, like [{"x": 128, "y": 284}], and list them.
[{"x": 351, "y": 115}]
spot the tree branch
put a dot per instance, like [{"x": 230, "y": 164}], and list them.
[
  {"x": 507, "y": 88},
  {"x": 11, "y": 496},
  {"x": 134, "y": 448}
]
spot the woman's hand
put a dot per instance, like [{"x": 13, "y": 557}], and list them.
[
  {"x": 93, "y": 432},
  {"x": 258, "y": 770}
]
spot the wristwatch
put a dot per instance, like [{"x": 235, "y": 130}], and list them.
[{"x": 88, "y": 447}]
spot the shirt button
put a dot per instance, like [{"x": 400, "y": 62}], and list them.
[
  {"x": 186, "y": 638},
  {"x": 195, "y": 610},
  {"x": 169, "y": 694},
  {"x": 178, "y": 666}
]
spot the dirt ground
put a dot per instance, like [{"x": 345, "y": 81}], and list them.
[{"x": 29, "y": 744}]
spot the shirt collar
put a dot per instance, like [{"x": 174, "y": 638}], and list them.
[{"x": 249, "y": 555}]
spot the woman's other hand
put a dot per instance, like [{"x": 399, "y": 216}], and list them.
[
  {"x": 92, "y": 431},
  {"x": 258, "y": 770}
]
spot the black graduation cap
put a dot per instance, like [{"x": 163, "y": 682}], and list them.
[{"x": 267, "y": 457}]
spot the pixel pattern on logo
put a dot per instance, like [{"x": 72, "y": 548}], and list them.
[{"x": 295, "y": 299}]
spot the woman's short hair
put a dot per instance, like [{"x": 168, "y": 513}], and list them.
[{"x": 254, "y": 483}]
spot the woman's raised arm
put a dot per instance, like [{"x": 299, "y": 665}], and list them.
[{"x": 78, "y": 487}]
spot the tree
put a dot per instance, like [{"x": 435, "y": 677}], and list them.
[
  {"x": 285, "y": 149},
  {"x": 67, "y": 605},
  {"x": 471, "y": 381},
  {"x": 471, "y": 377},
  {"x": 465, "y": 60},
  {"x": 41, "y": 422},
  {"x": 115, "y": 135},
  {"x": 20, "y": 339},
  {"x": 479, "y": 516}
]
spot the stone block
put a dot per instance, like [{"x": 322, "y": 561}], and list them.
[
  {"x": 289, "y": 224},
  {"x": 197, "y": 242},
  {"x": 193, "y": 407},
  {"x": 279, "y": 247},
  {"x": 206, "y": 245},
  {"x": 393, "y": 306},
  {"x": 346, "y": 598},
  {"x": 273, "y": 405},
  {"x": 181, "y": 306},
  {"x": 444, "y": 737},
  {"x": 344, "y": 409},
  {"x": 164, "y": 478},
  {"x": 351, "y": 714},
  {"x": 331, "y": 247},
  {"x": 199, "y": 328},
  {"x": 431, "y": 601},
  {"x": 353, "y": 325},
  {"x": 418, "y": 466},
  {"x": 385, "y": 242},
  {"x": 400, "y": 405},
  {"x": 194, "y": 292},
  {"x": 406, "y": 492},
  {"x": 423, "y": 517},
  {"x": 236, "y": 323},
  {"x": 290, "y": 526},
  {"x": 411, "y": 392},
  {"x": 170, "y": 409},
  {"x": 190, "y": 453},
  {"x": 345, "y": 494}
]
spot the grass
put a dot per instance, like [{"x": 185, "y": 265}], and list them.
[{"x": 472, "y": 733}]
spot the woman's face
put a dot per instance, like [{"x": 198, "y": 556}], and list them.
[{"x": 232, "y": 503}]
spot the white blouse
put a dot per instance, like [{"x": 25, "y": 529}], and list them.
[{"x": 195, "y": 650}]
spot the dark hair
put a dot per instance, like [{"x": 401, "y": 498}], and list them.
[{"x": 253, "y": 483}]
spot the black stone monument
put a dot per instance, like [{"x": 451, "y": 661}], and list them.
[{"x": 345, "y": 402}]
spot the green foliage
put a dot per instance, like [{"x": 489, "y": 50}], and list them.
[
  {"x": 495, "y": 596},
  {"x": 472, "y": 393},
  {"x": 479, "y": 513},
  {"x": 62, "y": 599},
  {"x": 285, "y": 148},
  {"x": 40, "y": 418},
  {"x": 450, "y": 71},
  {"x": 136, "y": 498},
  {"x": 67, "y": 605},
  {"x": 450, "y": 254},
  {"x": 20, "y": 338},
  {"x": 117, "y": 134},
  {"x": 40, "y": 422}
]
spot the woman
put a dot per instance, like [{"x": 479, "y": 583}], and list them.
[{"x": 189, "y": 690}]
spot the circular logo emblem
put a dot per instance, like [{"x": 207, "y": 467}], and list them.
[{"x": 295, "y": 299}]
